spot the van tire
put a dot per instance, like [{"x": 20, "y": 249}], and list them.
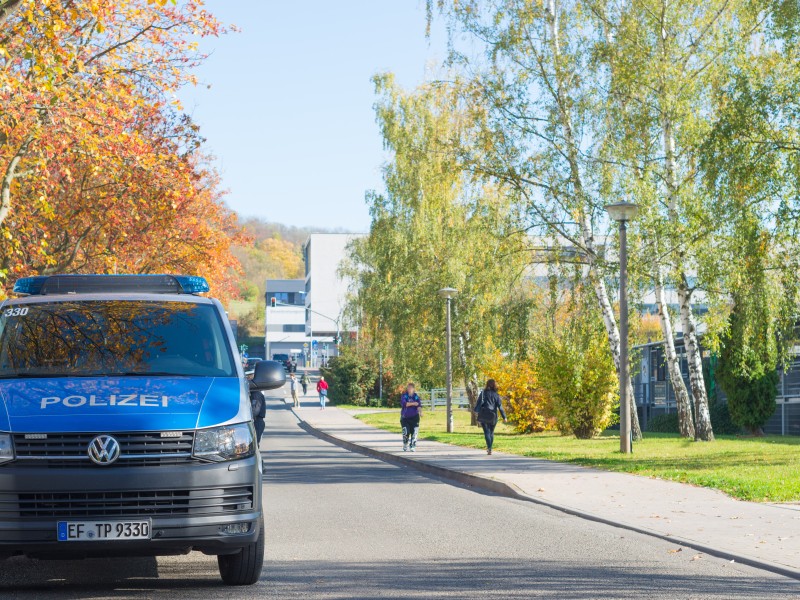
[{"x": 244, "y": 567}]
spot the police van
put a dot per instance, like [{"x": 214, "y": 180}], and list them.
[{"x": 125, "y": 423}]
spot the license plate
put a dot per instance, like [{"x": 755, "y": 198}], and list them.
[{"x": 98, "y": 531}]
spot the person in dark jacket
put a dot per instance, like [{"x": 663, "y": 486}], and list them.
[
  {"x": 487, "y": 407},
  {"x": 259, "y": 407},
  {"x": 304, "y": 383},
  {"x": 410, "y": 412}
]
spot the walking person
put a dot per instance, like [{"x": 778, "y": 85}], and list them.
[
  {"x": 487, "y": 407},
  {"x": 259, "y": 408},
  {"x": 410, "y": 411},
  {"x": 293, "y": 387},
  {"x": 304, "y": 383},
  {"x": 322, "y": 390}
]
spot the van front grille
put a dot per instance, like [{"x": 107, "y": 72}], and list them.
[
  {"x": 149, "y": 503},
  {"x": 70, "y": 449}
]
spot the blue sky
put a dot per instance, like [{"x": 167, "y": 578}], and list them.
[{"x": 289, "y": 114}]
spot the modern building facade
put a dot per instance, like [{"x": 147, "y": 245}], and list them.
[
  {"x": 655, "y": 395},
  {"x": 326, "y": 293},
  {"x": 285, "y": 330}
]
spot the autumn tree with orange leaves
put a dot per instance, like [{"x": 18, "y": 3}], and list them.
[{"x": 99, "y": 171}]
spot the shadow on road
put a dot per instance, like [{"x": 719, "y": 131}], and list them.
[{"x": 139, "y": 578}]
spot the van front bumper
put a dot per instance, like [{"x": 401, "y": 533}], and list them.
[{"x": 189, "y": 507}]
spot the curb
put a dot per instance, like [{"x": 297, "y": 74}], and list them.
[{"x": 510, "y": 490}]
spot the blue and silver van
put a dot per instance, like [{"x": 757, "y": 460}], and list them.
[{"x": 125, "y": 423}]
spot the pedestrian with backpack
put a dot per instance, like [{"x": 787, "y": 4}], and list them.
[
  {"x": 304, "y": 383},
  {"x": 487, "y": 407},
  {"x": 410, "y": 412},
  {"x": 322, "y": 390}
]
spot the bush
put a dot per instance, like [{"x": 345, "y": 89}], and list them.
[
  {"x": 578, "y": 375},
  {"x": 523, "y": 399},
  {"x": 666, "y": 423},
  {"x": 350, "y": 377},
  {"x": 721, "y": 420}
]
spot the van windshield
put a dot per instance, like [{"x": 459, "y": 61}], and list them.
[{"x": 113, "y": 337}]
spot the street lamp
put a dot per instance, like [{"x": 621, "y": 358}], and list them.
[
  {"x": 448, "y": 294},
  {"x": 622, "y": 212}
]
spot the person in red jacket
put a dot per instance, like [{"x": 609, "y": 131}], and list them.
[{"x": 322, "y": 390}]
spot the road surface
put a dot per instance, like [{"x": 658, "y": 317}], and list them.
[{"x": 341, "y": 525}]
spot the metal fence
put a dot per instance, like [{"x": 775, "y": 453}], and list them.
[{"x": 437, "y": 397}]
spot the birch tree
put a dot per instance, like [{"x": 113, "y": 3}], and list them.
[
  {"x": 434, "y": 226},
  {"x": 537, "y": 101},
  {"x": 668, "y": 61}
]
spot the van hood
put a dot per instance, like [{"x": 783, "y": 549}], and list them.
[{"x": 115, "y": 404}]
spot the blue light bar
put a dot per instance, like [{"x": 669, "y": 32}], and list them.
[
  {"x": 192, "y": 284},
  {"x": 105, "y": 284},
  {"x": 29, "y": 286}
]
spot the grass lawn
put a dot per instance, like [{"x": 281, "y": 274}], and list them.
[{"x": 760, "y": 469}]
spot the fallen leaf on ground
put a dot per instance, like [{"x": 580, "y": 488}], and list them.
[{"x": 676, "y": 550}]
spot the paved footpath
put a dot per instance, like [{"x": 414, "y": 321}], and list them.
[{"x": 758, "y": 534}]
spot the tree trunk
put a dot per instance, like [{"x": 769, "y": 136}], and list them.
[
  {"x": 601, "y": 293},
  {"x": 572, "y": 155},
  {"x": 685, "y": 422},
  {"x": 470, "y": 377},
  {"x": 702, "y": 416},
  {"x": 8, "y": 178}
]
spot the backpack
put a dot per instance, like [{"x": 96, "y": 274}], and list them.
[
  {"x": 488, "y": 410},
  {"x": 258, "y": 405}
]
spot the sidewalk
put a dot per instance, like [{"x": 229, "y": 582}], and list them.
[{"x": 762, "y": 535}]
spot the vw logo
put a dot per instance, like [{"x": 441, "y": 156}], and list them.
[{"x": 103, "y": 450}]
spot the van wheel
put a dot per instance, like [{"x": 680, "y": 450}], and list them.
[{"x": 244, "y": 567}]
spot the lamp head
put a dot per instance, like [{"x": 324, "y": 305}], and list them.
[
  {"x": 622, "y": 211},
  {"x": 448, "y": 292}
]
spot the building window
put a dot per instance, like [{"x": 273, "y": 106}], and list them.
[
  {"x": 290, "y": 298},
  {"x": 294, "y": 328}
]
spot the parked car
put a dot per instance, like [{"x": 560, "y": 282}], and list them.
[
  {"x": 126, "y": 427},
  {"x": 283, "y": 359}
]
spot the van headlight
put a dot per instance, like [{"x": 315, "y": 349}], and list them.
[
  {"x": 229, "y": 442},
  {"x": 6, "y": 448}
]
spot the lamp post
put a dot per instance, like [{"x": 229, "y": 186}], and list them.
[
  {"x": 448, "y": 294},
  {"x": 622, "y": 212}
]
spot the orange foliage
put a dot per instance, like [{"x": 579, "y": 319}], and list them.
[
  {"x": 99, "y": 173},
  {"x": 517, "y": 383}
]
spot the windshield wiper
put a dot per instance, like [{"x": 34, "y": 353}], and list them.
[{"x": 39, "y": 375}]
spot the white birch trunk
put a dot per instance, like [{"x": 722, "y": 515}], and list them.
[
  {"x": 702, "y": 417},
  {"x": 703, "y": 429},
  {"x": 8, "y": 178},
  {"x": 612, "y": 331},
  {"x": 685, "y": 422},
  {"x": 587, "y": 235}
]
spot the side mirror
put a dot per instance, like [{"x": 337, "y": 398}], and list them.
[{"x": 268, "y": 375}]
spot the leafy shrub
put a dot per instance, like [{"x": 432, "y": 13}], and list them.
[
  {"x": 666, "y": 423},
  {"x": 578, "y": 375},
  {"x": 350, "y": 378},
  {"x": 721, "y": 419},
  {"x": 523, "y": 399}
]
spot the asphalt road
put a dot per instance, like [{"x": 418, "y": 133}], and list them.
[{"x": 341, "y": 525}]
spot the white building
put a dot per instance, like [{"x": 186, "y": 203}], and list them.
[
  {"x": 326, "y": 291},
  {"x": 286, "y": 320}
]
